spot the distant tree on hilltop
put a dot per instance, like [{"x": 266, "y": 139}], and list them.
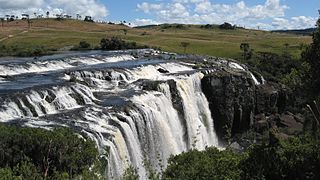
[
  {"x": 227, "y": 26},
  {"x": 88, "y": 19},
  {"x": 2, "y": 21}
]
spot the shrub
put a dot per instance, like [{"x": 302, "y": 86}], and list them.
[
  {"x": 209, "y": 164},
  {"x": 115, "y": 43},
  {"x": 36, "y": 152},
  {"x": 227, "y": 26},
  {"x": 84, "y": 45},
  {"x": 294, "y": 158}
]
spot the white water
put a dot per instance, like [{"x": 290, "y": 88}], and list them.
[
  {"x": 39, "y": 103},
  {"x": 148, "y": 126},
  {"x": 43, "y": 66}
]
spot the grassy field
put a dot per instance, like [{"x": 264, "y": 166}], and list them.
[{"x": 58, "y": 35}]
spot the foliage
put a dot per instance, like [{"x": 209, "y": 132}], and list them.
[
  {"x": 174, "y": 26},
  {"x": 208, "y": 26},
  {"x": 294, "y": 158},
  {"x": 130, "y": 174},
  {"x": 227, "y": 26},
  {"x": 184, "y": 45},
  {"x": 84, "y": 45},
  {"x": 20, "y": 51},
  {"x": 209, "y": 164},
  {"x": 275, "y": 67},
  {"x": 88, "y": 19},
  {"x": 29, "y": 152},
  {"x": 247, "y": 52},
  {"x": 115, "y": 43},
  {"x": 312, "y": 56}
]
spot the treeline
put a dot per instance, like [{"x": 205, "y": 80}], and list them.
[
  {"x": 113, "y": 43},
  {"x": 31, "y": 153},
  {"x": 295, "y": 158},
  {"x": 280, "y": 159},
  {"x": 21, "y": 51}
]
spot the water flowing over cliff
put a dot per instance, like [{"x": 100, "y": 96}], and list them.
[{"x": 137, "y": 109}]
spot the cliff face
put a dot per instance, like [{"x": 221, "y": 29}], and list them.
[{"x": 238, "y": 104}]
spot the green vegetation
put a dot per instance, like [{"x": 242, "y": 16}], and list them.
[
  {"x": 209, "y": 164},
  {"x": 295, "y": 158},
  {"x": 115, "y": 43},
  {"x": 30, "y": 153},
  {"x": 56, "y": 35},
  {"x": 184, "y": 45},
  {"x": 84, "y": 45},
  {"x": 312, "y": 56},
  {"x": 247, "y": 52},
  {"x": 227, "y": 26}
]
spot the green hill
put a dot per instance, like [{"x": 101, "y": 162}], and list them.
[{"x": 54, "y": 35}]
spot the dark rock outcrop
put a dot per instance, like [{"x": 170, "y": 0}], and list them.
[{"x": 237, "y": 104}]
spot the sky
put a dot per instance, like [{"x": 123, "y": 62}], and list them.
[{"x": 257, "y": 14}]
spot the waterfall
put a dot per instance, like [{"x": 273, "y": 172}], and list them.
[{"x": 135, "y": 112}]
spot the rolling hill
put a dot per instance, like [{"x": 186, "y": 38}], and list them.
[{"x": 54, "y": 35}]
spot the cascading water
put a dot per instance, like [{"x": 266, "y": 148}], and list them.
[{"x": 137, "y": 110}]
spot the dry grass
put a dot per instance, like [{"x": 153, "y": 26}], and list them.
[{"x": 53, "y": 34}]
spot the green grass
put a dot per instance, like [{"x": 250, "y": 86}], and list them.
[{"x": 53, "y": 34}]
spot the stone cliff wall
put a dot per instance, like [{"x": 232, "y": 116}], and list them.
[{"x": 237, "y": 103}]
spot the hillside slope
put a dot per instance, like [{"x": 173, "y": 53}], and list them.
[{"x": 60, "y": 35}]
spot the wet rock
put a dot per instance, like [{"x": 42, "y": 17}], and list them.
[
  {"x": 161, "y": 70},
  {"x": 237, "y": 104},
  {"x": 231, "y": 97}
]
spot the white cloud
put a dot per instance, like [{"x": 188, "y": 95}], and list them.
[
  {"x": 143, "y": 22},
  {"x": 147, "y": 7},
  {"x": 19, "y": 4},
  {"x": 299, "y": 22},
  {"x": 71, "y": 7},
  {"x": 205, "y": 11}
]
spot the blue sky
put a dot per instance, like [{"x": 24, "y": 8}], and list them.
[{"x": 263, "y": 14}]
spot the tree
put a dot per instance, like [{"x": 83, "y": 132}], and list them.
[
  {"x": 130, "y": 174},
  {"x": 12, "y": 17},
  {"x": 84, "y": 45},
  {"x": 227, "y": 26},
  {"x": 125, "y": 31},
  {"x": 88, "y": 19},
  {"x": 7, "y": 18},
  {"x": 247, "y": 52},
  {"x": 184, "y": 45},
  {"x": 2, "y": 21},
  {"x": 312, "y": 56},
  {"x": 115, "y": 43},
  {"x": 30, "y": 152},
  {"x": 209, "y": 164}
]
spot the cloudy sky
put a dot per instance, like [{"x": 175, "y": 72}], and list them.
[{"x": 265, "y": 14}]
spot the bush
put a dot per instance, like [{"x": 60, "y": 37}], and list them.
[
  {"x": 209, "y": 164},
  {"x": 294, "y": 158},
  {"x": 32, "y": 152},
  {"x": 115, "y": 43},
  {"x": 84, "y": 45},
  {"x": 227, "y": 26}
]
